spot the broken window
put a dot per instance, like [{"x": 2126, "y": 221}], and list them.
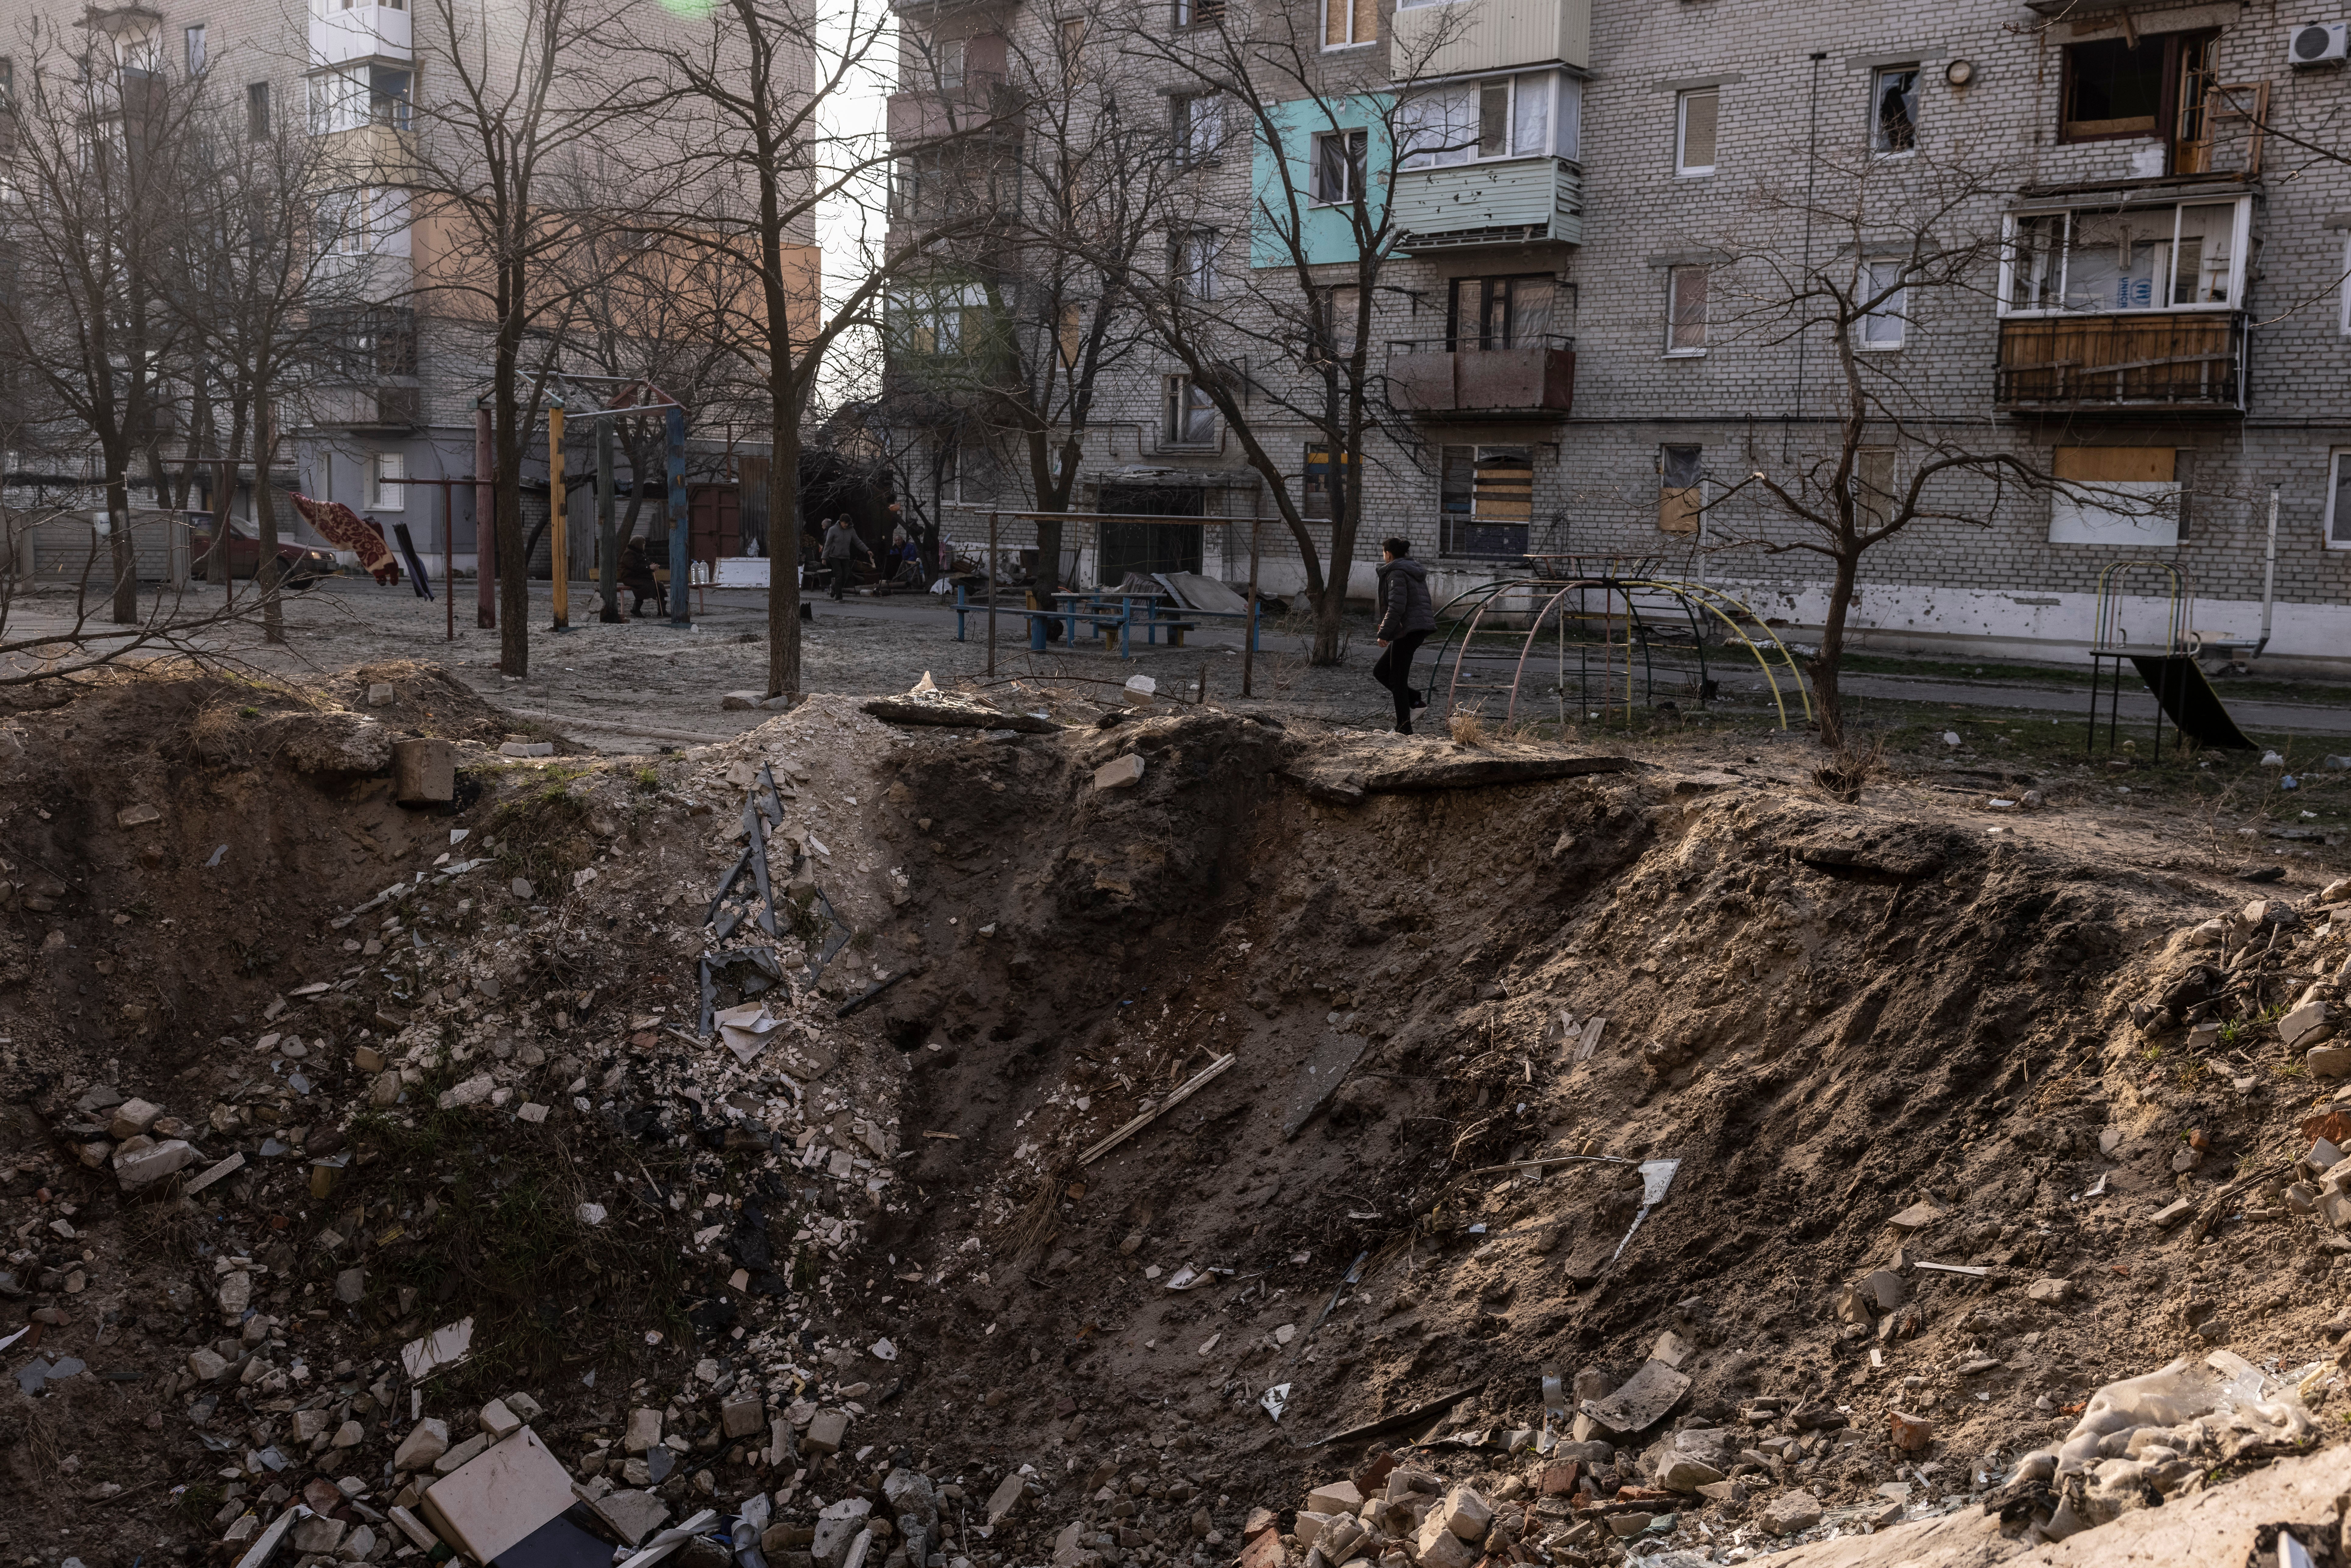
[
  {"x": 1199, "y": 127},
  {"x": 1894, "y": 110},
  {"x": 387, "y": 481},
  {"x": 1885, "y": 299},
  {"x": 1694, "y": 128},
  {"x": 1338, "y": 167},
  {"x": 1346, "y": 22},
  {"x": 2187, "y": 256},
  {"x": 1199, "y": 12},
  {"x": 1501, "y": 312},
  {"x": 1190, "y": 415},
  {"x": 1315, "y": 488},
  {"x": 2339, "y": 501},
  {"x": 1872, "y": 484},
  {"x": 1686, "y": 289},
  {"x": 1680, "y": 494},
  {"x": 1192, "y": 267},
  {"x": 257, "y": 111},
  {"x": 1485, "y": 501},
  {"x": 195, "y": 37},
  {"x": 2114, "y": 87},
  {"x": 2115, "y": 496}
]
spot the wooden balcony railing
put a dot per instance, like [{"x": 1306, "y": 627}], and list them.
[{"x": 2166, "y": 360}]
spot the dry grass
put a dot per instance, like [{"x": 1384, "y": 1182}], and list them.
[
  {"x": 1853, "y": 764},
  {"x": 1466, "y": 728}
]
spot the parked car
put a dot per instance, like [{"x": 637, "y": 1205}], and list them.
[{"x": 299, "y": 565}]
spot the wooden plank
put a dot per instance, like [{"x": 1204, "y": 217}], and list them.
[{"x": 1190, "y": 1087}]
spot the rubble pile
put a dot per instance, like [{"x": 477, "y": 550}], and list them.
[{"x": 872, "y": 1146}]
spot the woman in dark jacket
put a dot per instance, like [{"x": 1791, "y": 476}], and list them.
[{"x": 1407, "y": 616}]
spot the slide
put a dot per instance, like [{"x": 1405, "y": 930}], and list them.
[{"x": 2178, "y": 684}]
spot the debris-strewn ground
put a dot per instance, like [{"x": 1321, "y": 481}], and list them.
[{"x": 461, "y": 1137}]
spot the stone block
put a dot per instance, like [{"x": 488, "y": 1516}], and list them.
[
  {"x": 137, "y": 1168},
  {"x": 203, "y": 1365},
  {"x": 131, "y": 1118},
  {"x": 1910, "y": 1434},
  {"x": 498, "y": 1421},
  {"x": 495, "y": 1501},
  {"x": 2304, "y": 1026},
  {"x": 1335, "y": 1497},
  {"x": 2051, "y": 1290},
  {"x": 462, "y": 1455},
  {"x": 319, "y": 1534},
  {"x": 425, "y": 1442},
  {"x": 742, "y": 1417},
  {"x": 632, "y": 1515},
  {"x": 424, "y": 772},
  {"x": 1119, "y": 773},
  {"x": 1438, "y": 1547},
  {"x": 1791, "y": 1513},
  {"x": 826, "y": 1432},
  {"x": 644, "y": 1430}
]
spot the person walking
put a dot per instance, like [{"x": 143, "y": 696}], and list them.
[
  {"x": 1407, "y": 616},
  {"x": 840, "y": 542}
]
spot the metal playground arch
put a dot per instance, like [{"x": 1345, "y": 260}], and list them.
[{"x": 1614, "y": 618}]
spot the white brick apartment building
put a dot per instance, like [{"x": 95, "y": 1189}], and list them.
[{"x": 2163, "y": 209}]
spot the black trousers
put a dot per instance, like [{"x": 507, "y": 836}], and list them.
[{"x": 1394, "y": 671}]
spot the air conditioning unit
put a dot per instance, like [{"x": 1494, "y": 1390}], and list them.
[{"x": 2318, "y": 43}]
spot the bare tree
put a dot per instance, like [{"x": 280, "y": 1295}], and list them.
[
  {"x": 754, "y": 96},
  {"x": 278, "y": 287},
  {"x": 99, "y": 196},
  {"x": 1871, "y": 253},
  {"x": 1012, "y": 336},
  {"x": 1284, "y": 344},
  {"x": 503, "y": 153}
]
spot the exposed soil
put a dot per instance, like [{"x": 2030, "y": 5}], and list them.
[{"x": 1829, "y": 1012}]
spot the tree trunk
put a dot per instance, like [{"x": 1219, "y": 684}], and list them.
[
  {"x": 265, "y": 523},
  {"x": 120, "y": 557},
  {"x": 784, "y": 551},
  {"x": 1825, "y": 663},
  {"x": 514, "y": 559}
]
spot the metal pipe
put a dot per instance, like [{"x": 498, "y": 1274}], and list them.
[
  {"x": 448, "y": 560},
  {"x": 679, "y": 568},
  {"x": 1248, "y": 642},
  {"x": 558, "y": 532},
  {"x": 485, "y": 524},
  {"x": 992, "y": 569},
  {"x": 2269, "y": 575}
]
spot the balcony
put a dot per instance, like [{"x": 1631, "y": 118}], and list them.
[
  {"x": 1430, "y": 379},
  {"x": 1515, "y": 201},
  {"x": 373, "y": 154},
  {"x": 359, "y": 33},
  {"x": 980, "y": 99},
  {"x": 368, "y": 409},
  {"x": 2156, "y": 360},
  {"x": 1470, "y": 35}
]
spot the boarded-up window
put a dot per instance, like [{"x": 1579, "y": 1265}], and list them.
[
  {"x": 1872, "y": 484},
  {"x": 2338, "y": 502},
  {"x": 1679, "y": 493},
  {"x": 2116, "y": 496},
  {"x": 1349, "y": 21},
  {"x": 1486, "y": 496}
]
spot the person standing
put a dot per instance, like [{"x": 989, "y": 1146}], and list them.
[
  {"x": 1407, "y": 616},
  {"x": 840, "y": 542}
]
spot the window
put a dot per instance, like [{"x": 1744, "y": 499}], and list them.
[
  {"x": 7, "y": 83},
  {"x": 1501, "y": 312},
  {"x": 2339, "y": 501},
  {"x": 1338, "y": 167},
  {"x": 257, "y": 111},
  {"x": 1071, "y": 331},
  {"x": 387, "y": 489},
  {"x": 1685, "y": 309},
  {"x": 1531, "y": 115},
  {"x": 1073, "y": 46},
  {"x": 1872, "y": 484},
  {"x": 2113, "y": 88},
  {"x": 1190, "y": 416},
  {"x": 1199, "y": 127},
  {"x": 1485, "y": 497},
  {"x": 195, "y": 41},
  {"x": 1681, "y": 492},
  {"x": 1695, "y": 115},
  {"x": 1316, "y": 487},
  {"x": 1894, "y": 110},
  {"x": 1883, "y": 299},
  {"x": 1199, "y": 12},
  {"x": 347, "y": 99},
  {"x": 1346, "y": 22},
  {"x": 2185, "y": 258},
  {"x": 1193, "y": 266},
  {"x": 946, "y": 61},
  {"x": 342, "y": 223},
  {"x": 2115, "y": 495}
]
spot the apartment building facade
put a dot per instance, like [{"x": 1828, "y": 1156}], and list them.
[
  {"x": 1590, "y": 336},
  {"x": 389, "y": 406}
]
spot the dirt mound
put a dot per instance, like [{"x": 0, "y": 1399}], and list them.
[{"x": 1185, "y": 1094}]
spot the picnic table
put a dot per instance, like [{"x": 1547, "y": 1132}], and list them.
[{"x": 1109, "y": 612}]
